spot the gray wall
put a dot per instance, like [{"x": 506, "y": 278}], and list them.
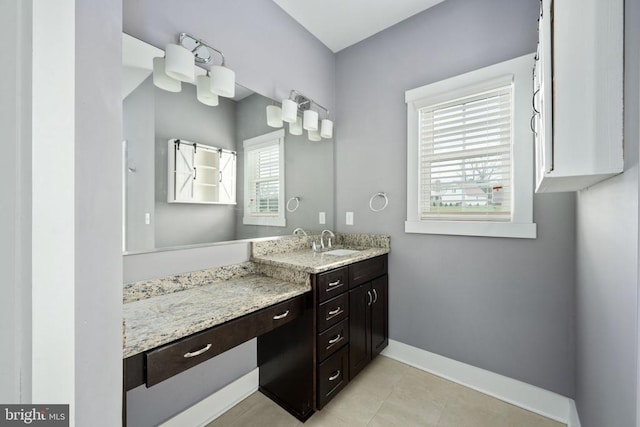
[
  {"x": 139, "y": 130},
  {"x": 505, "y": 305},
  {"x": 270, "y": 54},
  {"x": 98, "y": 213},
  {"x": 15, "y": 215},
  {"x": 607, "y": 272}
]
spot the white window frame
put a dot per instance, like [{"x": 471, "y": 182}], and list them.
[
  {"x": 518, "y": 71},
  {"x": 268, "y": 139}
]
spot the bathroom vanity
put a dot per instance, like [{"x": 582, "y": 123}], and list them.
[{"x": 319, "y": 318}]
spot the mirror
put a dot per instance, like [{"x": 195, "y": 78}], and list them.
[{"x": 154, "y": 119}]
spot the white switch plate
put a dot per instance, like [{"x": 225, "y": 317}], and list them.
[
  {"x": 322, "y": 218},
  {"x": 349, "y": 218},
  {"x": 147, "y": 218}
]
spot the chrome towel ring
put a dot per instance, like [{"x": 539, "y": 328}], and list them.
[
  {"x": 291, "y": 207},
  {"x": 384, "y": 205}
]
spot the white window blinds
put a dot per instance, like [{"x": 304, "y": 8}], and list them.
[
  {"x": 264, "y": 175},
  {"x": 465, "y": 161}
]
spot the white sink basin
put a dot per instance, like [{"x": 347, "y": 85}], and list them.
[{"x": 341, "y": 252}]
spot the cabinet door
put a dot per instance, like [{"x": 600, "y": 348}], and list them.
[
  {"x": 379, "y": 315},
  {"x": 360, "y": 300}
]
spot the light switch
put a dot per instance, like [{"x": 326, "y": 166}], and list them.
[
  {"x": 349, "y": 218},
  {"x": 322, "y": 218},
  {"x": 147, "y": 218}
]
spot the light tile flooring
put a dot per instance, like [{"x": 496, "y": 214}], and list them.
[{"x": 389, "y": 393}]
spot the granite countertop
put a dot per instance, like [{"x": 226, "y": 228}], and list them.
[
  {"x": 161, "y": 319},
  {"x": 315, "y": 262}
]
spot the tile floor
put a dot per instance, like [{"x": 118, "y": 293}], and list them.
[{"x": 389, "y": 393}]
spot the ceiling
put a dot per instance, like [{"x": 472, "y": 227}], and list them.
[{"x": 341, "y": 23}]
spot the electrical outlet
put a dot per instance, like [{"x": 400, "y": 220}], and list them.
[
  {"x": 349, "y": 218},
  {"x": 322, "y": 219}
]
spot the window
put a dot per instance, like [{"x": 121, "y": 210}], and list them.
[
  {"x": 469, "y": 161},
  {"x": 264, "y": 180}
]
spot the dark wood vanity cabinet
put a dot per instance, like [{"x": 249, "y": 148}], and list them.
[
  {"x": 332, "y": 333},
  {"x": 368, "y": 324},
  {"x": 285, "y": 357},
  {"x": 305, "y": 364}
]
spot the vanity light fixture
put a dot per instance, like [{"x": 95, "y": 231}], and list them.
[
  {"x": 179, "y": 65},
  {"x": 314, "y": 135},
  {"x": 274, "y": 116},
  {"x": 203, "y": 91},
  {"x": 298, "y": 103},
  {"x": 295, "y": 128},
  {"x": 161, "y": 79},
  {"x": 326, "y": 128},
  {"x": 310, "y": 120},
  {"x": 289, "y": 110}
]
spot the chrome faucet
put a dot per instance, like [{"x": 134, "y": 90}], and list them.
[
  {"x": 299, "y": 230},
  {"x": 331, "y": 235}
]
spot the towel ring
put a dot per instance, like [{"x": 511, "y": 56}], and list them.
[
  {"x": 380, "y": 194},
  {"x": 297, "y": 204}
]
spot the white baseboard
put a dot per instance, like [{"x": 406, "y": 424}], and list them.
[
  {"x": 527, "y": 396},
  {"x": 210, "y": 408},
  {"x": 574, "y": 420}
]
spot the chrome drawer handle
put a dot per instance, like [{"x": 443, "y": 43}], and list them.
[
  {"x": 198, "y": 352},
  {"x": 375, "y": 296},
  {"x": 334, "y": 340},
  {"x": 335, "y": 376},
  {"x": 281, "y": 316},
  {"x": 332, "y": 285},
  {"x": 333, "y": 313}
]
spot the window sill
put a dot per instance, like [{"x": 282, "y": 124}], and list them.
[{"x": 473, "y": 228}]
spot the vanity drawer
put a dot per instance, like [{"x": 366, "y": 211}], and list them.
[
  {"x": 333, "y": 311},
  {"x": 332, "y": 283},
  {"x": 171, "y": 359},
  {"x": 364, "y": 271},
  {"x": 333, "y": 339},
  {"x": 279, "y": 314},
  {"x": 333, "y": 375}
]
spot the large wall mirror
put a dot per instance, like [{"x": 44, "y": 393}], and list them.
[{"x": 154, "y": 119}]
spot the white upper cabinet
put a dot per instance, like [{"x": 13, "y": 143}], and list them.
[
  {"x": 200, "y": 174},
  {"x": 578, "y": 74}
]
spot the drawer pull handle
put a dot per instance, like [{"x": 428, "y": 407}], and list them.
[
  {"x": 332, "y": 285},
  {"x": 333, "y": 313},
  {"x": 198, "y": 352},
  {"x": 335, "y": 376},
  {"x": 375, "y": 296},
  {"x": 281, "y": 316},
  {"x": 334, "y": 340}
]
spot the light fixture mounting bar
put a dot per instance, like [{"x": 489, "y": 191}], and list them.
[
  {"x": 196, "y": 45},
  {"x": 304, "y": 103}
]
